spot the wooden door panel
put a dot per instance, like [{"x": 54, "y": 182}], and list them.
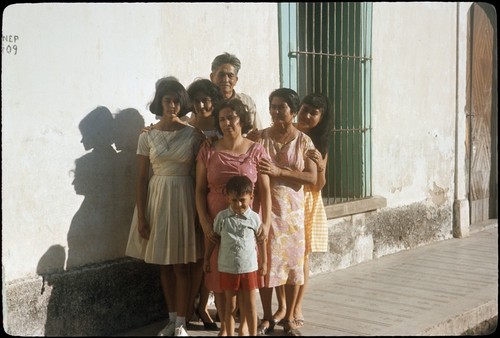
[{"x": 480, "y": 113}]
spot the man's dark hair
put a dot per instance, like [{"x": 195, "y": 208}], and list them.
[{"x": 226, "y": 58}]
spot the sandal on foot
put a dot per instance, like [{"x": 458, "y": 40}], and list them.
[
  {"x": 294, "y": 332},
  {"x": 279, "y": 321},
  {"x": 266, "y": 329},
  {"x": 299, "y": 322},
  {"x": 290, "y": 328},
  {"x": 275, "y": 322}
]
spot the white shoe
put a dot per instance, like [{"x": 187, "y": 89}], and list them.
[
  {"x": 168, "y": 330},
  {"x": 180, "y": 332},
  {"x": 211, "y": 299}
]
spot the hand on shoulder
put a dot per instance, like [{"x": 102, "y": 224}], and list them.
[
  {"x": 254, "y": 135},
  {"x": 147, "y": 128}
]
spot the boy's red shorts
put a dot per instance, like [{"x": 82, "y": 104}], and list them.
[{"x": 241, "y": 281}]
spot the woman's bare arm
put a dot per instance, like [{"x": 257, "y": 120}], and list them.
[{"x": 142, "y": 195}]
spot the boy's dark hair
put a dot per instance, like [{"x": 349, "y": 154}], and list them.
[
  {"x": 240, "y": 185},
  {"x": 320, "y": 133}
]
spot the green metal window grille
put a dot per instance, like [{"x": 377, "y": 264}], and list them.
[{"x": 326, "y": 47}]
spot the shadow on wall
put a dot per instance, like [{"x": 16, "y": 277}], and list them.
[
  {"x": 128, "y": 126},
  {"x": 49, "y": 266},
  {"x": 99, "y": 229},
  {"x": 93, "y": 228}
]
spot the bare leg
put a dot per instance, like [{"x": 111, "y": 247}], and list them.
[
  {"x": 230, "y": 311},
  {"x": 297, "y": 312},
  {"x": 243, "y": 328},
  {"x": 291, "y": 293},
  {"x": 203, "y": 304},
  {"x": 280, "y": 296},
  {"x": 249, "y": 311},
  {"x": 266, "y": 297},
  {"x": 196, "y": 276},
  {"x": 167, "y": 281},
  {"x": 182, "y": 289},
  {"x": 220, "y": 303}
]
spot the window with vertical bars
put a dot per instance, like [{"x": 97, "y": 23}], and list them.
[{"x": 326, "y": 48}]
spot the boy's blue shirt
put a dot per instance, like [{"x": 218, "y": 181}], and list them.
[{"x": 237, "y": 251}]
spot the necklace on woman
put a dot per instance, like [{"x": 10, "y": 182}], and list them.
[{"x": 284, "y": 138}]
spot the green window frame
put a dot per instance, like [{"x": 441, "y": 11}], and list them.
[{"x": 326, "y": 47}]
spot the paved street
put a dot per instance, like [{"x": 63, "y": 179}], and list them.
[{"x": 443, "y": 288}]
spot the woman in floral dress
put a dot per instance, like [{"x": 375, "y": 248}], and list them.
[{"x": 290, "y": 169}]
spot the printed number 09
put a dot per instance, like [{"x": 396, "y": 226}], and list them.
[{"x": 10, "y": 48}]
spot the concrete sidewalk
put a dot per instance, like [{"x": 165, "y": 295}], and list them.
[{"x": 443, "y": 288}]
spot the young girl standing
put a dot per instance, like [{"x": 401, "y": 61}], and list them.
[
  {"x": 314, "y": 120},
  {"x": 163, "y": 225}
]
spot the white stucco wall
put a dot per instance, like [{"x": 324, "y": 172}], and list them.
[
  {"x": 414, "y": 101},
  {"x": 72, "y": 58},
  {"x": 461, "y": 190}
]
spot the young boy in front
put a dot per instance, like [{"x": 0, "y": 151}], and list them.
[{"x": 238, "y": 262}]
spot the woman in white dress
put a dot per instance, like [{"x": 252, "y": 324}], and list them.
[{"x": 163, "y": 226}]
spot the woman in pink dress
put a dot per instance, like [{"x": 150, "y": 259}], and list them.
[
  {"x": 290, "y": 169},
  {"x": 231, "y": 155}
]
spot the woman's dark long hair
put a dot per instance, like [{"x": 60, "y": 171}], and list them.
[
  {"x": 204, "y": 87},
  {"x": 320, "y": 133}
]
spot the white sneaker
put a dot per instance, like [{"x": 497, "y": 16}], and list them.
[
  {"x": 168, "y": 330},
  {"x": 180, "y": 332}
]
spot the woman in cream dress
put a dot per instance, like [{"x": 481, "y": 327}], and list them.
[{"x": 163, "y": 226}]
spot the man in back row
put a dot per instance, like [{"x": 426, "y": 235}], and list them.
[{"x": 225, "y": 68}]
